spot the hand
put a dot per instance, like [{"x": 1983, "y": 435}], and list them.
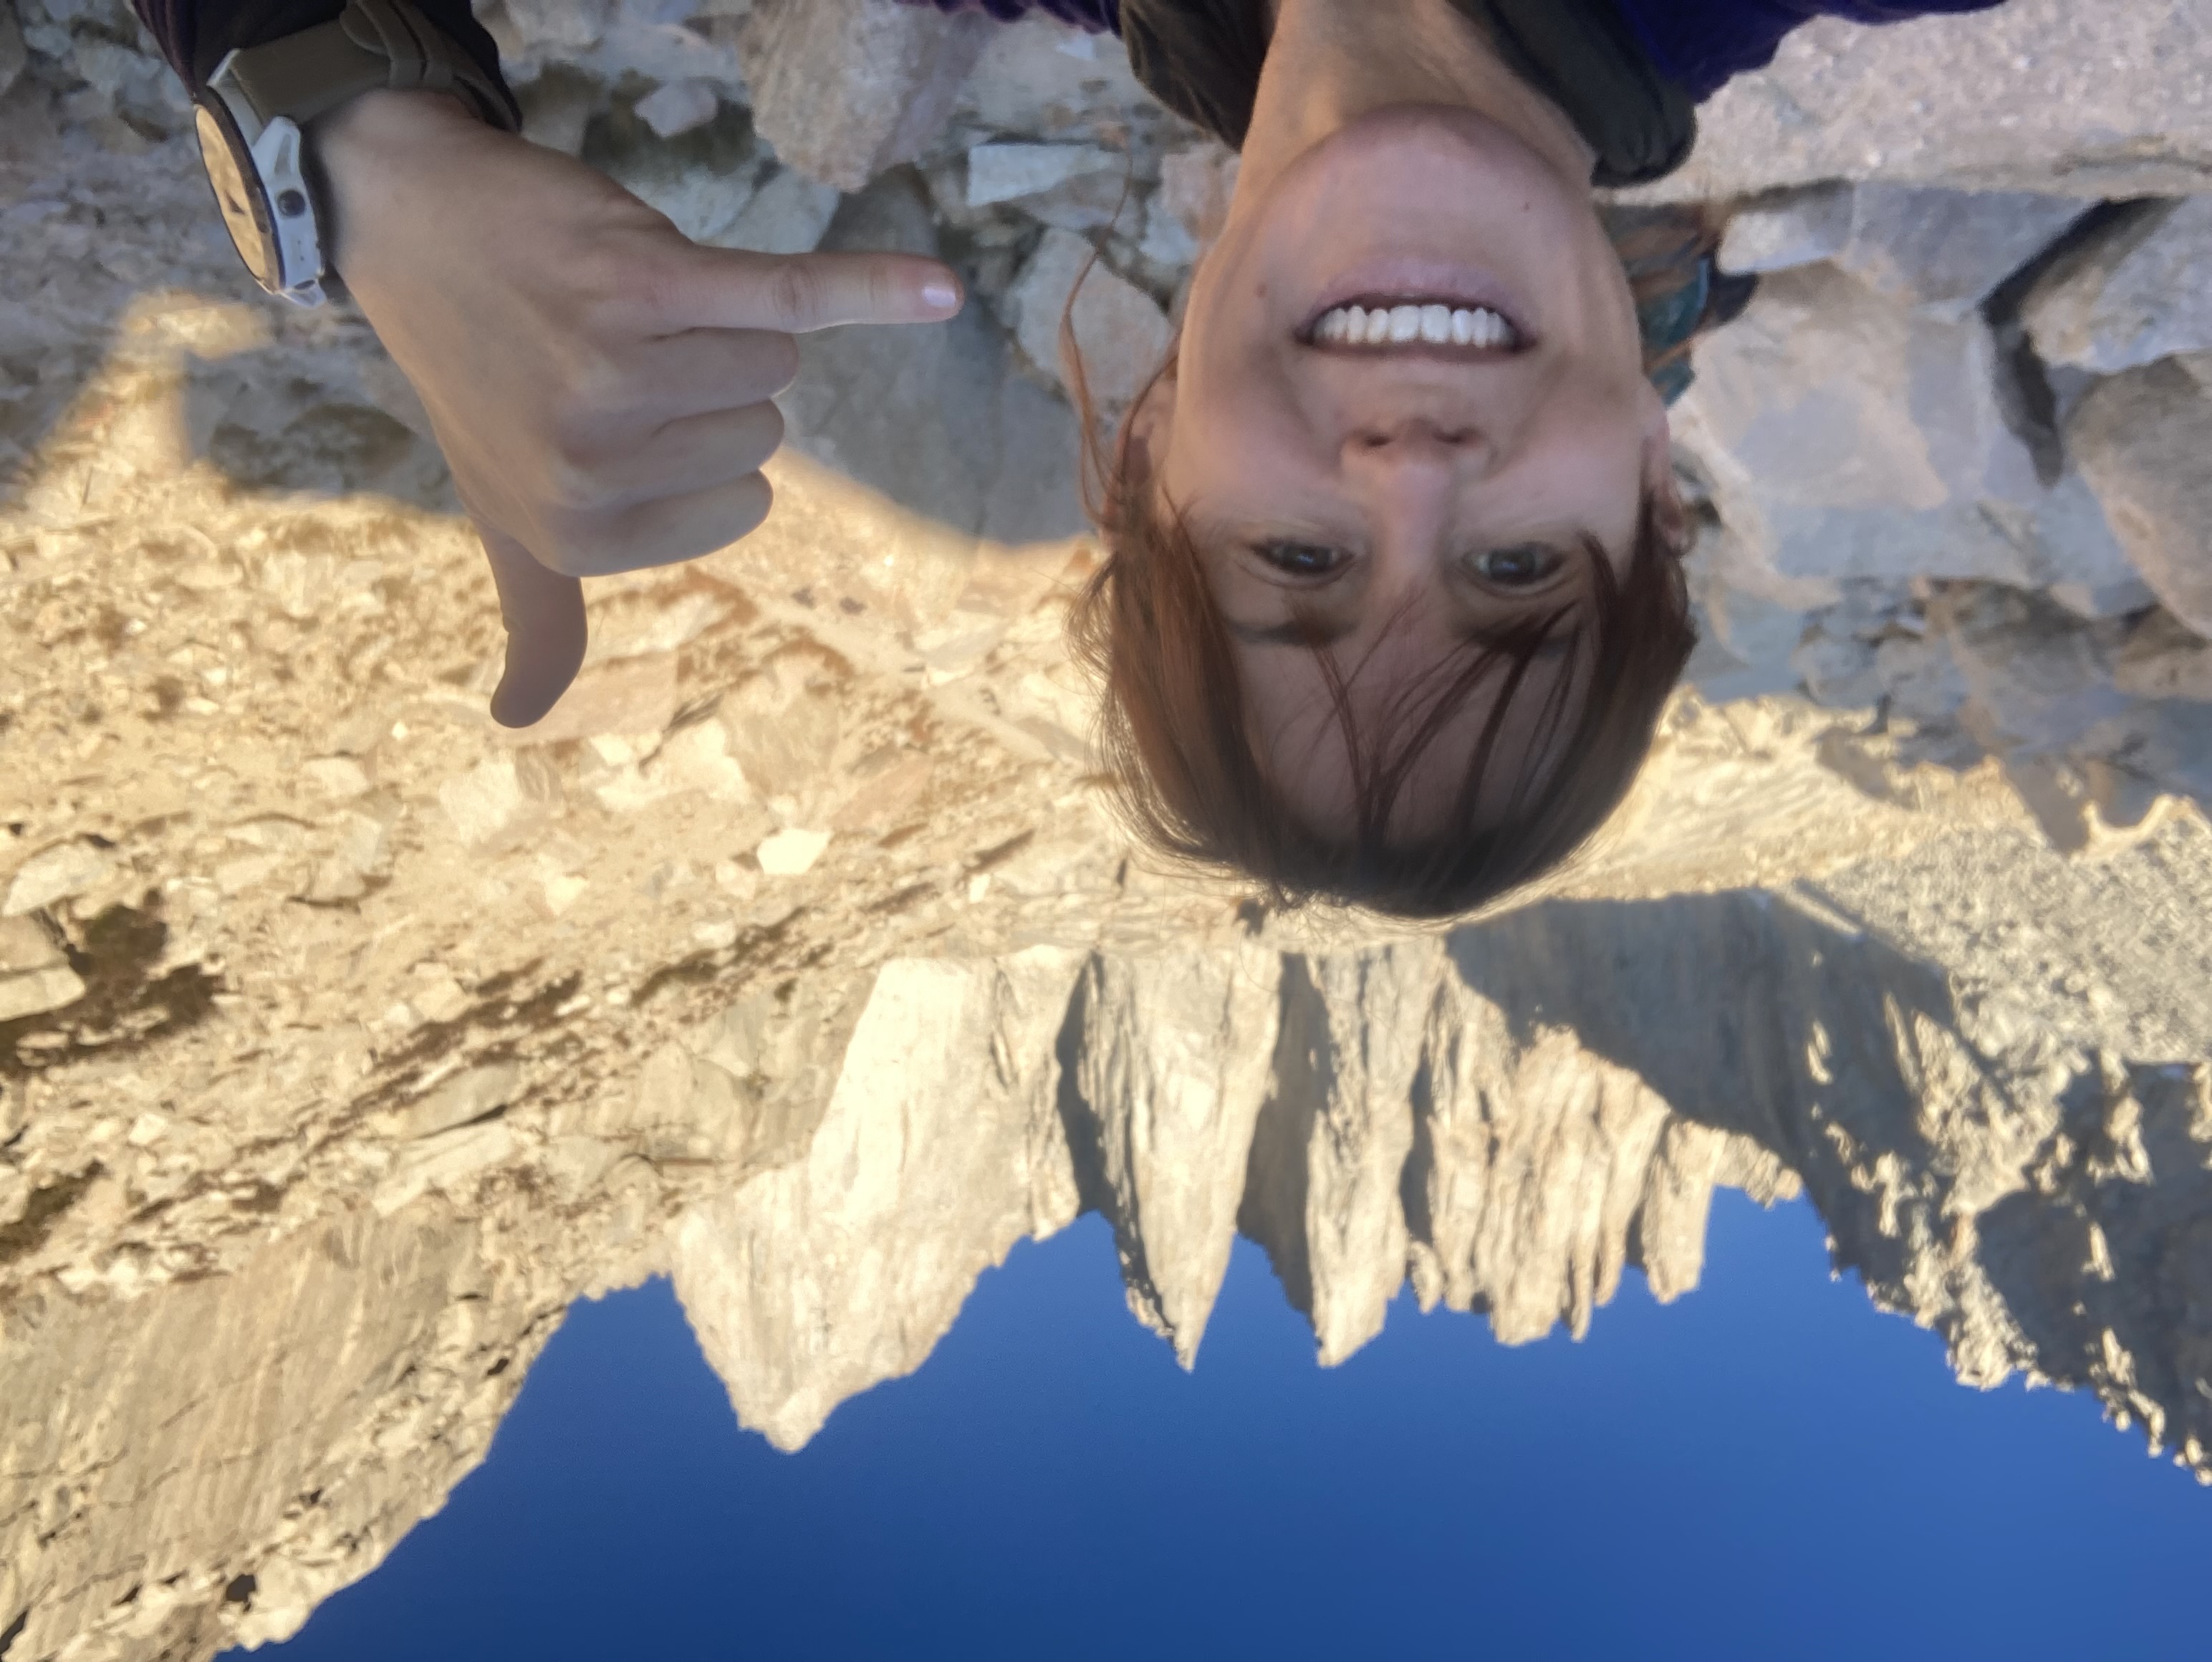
[{"x": 599, "y": 384}]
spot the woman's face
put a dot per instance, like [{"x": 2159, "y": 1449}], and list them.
[{"x": 1408, "y": 494}]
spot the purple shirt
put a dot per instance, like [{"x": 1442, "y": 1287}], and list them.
[
  {"x": 1701, "y": 43},
  {"x": 1705, "y": 43}
]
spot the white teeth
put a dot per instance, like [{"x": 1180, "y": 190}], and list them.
[{"x": 1432, "y": 324}]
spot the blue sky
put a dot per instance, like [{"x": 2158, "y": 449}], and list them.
[{"x": 1765, "y": 1468}]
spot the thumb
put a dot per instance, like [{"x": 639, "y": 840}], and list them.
[
  {"x": 543, "y": 613},
  {"x": 792, "y": 294}
]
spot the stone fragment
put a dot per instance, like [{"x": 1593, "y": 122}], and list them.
[
  {"x": 1009, "y": 172},
  {"x": 1945, "y": 251},
  {"x": 629, "y": 695},
  {"x": 557, "y": 107},
  {"x": 790, "y": 853},
  {"x": 499, "y": 800},
  {"x": 1121, "y": 333},
  {"x": 338, "y": 778},
  {"x": 1847, "y": 436},
  {"x": 35, "y": 976},
  {"x": 66, "y": 869},
  {"x": 2162, "y": 660},
  {"x": 697, "y": 757},
  {"x": 2143, "y": 442},
  {"x": 678, "y": 108},
  {"x": 2038, "y": 679},
  {"x": 466, "y": 1098},
  {"x": 1839, "y": 670},
  {"x": 845, "y": 90},
  {"x": 787, "y": 215},
  {"x": 446, "y": 1160},
  {"x": 1938, "y": 485},
  {"x": 2139, "y": 292},
  {"x": 1794, "y": 228},
  {"x": 1038, "y": 79},
  {"x": 2083, "y": 564}
]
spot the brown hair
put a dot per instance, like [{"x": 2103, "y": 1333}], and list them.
[{"x": 1174, "y": 733}]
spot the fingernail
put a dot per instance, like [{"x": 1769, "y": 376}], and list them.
[{"x": 941, "y": 294}]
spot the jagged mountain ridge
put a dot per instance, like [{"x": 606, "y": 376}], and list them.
[{"x": 1509, "y": 1115}]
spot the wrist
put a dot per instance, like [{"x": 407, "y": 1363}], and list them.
[{"x": 365, "y": 150}]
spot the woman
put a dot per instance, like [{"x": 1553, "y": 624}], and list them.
[{"x": 1392, "y": 603}]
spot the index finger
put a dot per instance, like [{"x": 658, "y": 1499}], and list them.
[{"x": 794, "y": 293}]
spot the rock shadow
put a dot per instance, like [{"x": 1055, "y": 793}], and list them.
[{"x": 1750, "y": 1015}]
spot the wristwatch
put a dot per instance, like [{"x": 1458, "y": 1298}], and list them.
[{"x": 252, "y": 113}]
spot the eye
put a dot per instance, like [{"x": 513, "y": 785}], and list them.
[
  {"x": 1527, "y": 567},
  {"x": 1307, "y": 560}
]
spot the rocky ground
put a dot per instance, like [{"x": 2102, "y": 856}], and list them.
[{"x": 345, "y": 1039}]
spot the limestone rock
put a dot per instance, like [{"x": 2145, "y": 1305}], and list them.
[
  {"x": 2140, "y": 291},
  {"x": 1788, "y": 229},
  {"x": 2035, "y": 95},
  {"x": 1321, "y": 1188},
  {"x": 2141, "y": 440},
  {"x": 790, "y": 853},
  {"x": 847, "y": 89},
  {"x": 1038, "y": 79},
  {"x": 873, "y": 403},
  {"x": 1121, "y": 334},
  {"x": 1006, "y": 172},
  {"x": 35, "y": 976},
  {"x": 678, "y": 108},
  {"x": 1855, "y": 438},
  {"x": 54, "y": 874},
  {"x": 1945, "y": 251},
  {"x": 1174, "y": 1071},
  {"x": 2162, "y": 660},
  {"x": 816, "y": 1281},
  {"x": 788, "y": 214}
]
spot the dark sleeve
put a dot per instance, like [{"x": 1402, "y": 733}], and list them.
[
  {"x": 1706, "y": 43},
  {"x": 1097, "y": 16},
  {"x": 196, "y": 34}
]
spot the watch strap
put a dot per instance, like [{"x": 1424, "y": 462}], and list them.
[{"x": 371, "y": 44}]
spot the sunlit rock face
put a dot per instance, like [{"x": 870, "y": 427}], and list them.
[{"x": 346, "y": 1039}]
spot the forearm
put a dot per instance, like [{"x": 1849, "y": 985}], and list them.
[{"x": 369, "y": 150}]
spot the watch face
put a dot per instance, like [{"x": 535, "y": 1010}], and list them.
[{"x": 237, "y": 194}]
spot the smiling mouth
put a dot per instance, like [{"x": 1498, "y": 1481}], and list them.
[{"x": 1385, "y": 325}]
